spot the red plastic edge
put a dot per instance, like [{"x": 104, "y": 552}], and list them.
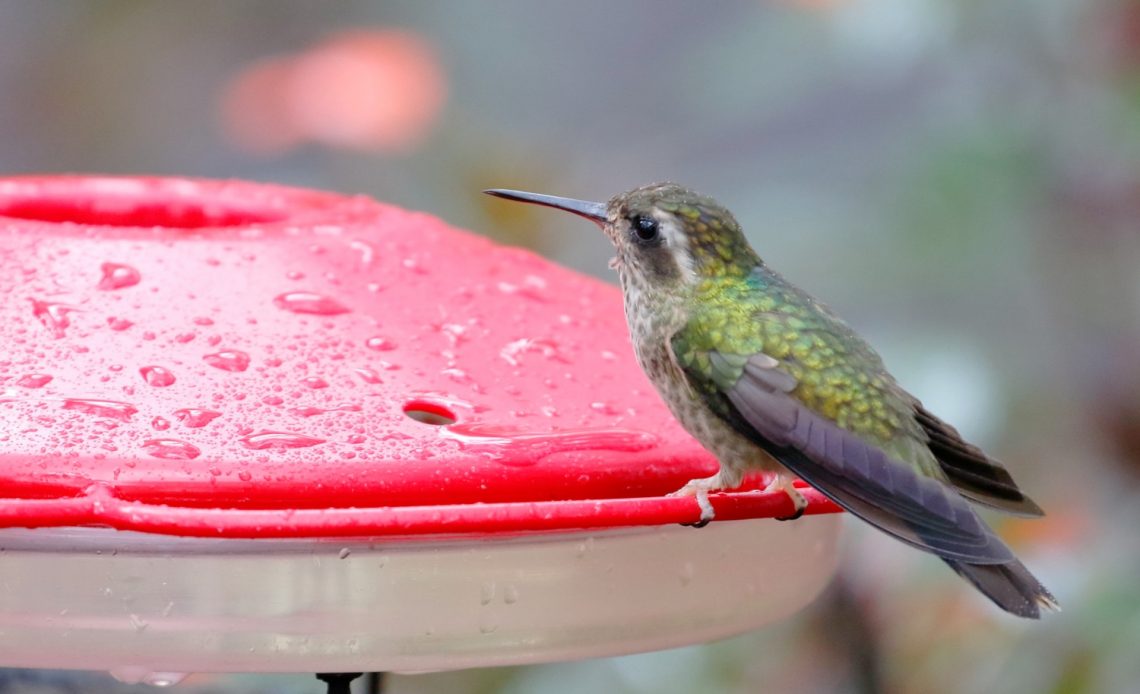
[{"x": 99, "y": 507}]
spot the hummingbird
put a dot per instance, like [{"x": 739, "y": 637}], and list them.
[{"x": 768, "y": 379}]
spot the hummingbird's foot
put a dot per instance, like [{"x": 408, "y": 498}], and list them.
[
  {"x": 786, "y": 484},
  {"x": 699, "y": 489},
  {"x": 707, "y": 512}
]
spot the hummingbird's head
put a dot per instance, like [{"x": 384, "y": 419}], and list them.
[{"x": 666, "y": 236}]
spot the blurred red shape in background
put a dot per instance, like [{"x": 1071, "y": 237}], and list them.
[{"x": 377, "y": 90}]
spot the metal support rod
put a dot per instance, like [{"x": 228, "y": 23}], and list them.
[
  {"x": 339, "y": 682},
  {"x": 374, "y": 683}
]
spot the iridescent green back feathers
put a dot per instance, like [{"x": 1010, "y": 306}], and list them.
[{"x": 836, "y": 373}]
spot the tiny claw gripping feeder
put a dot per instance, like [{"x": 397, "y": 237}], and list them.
[{"x": 253, "y": 428}]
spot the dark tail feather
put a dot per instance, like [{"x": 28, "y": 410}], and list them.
[{"x": 1010, "y": 586}]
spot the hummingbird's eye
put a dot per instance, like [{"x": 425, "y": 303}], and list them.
[{"x": 645, "y": 227}]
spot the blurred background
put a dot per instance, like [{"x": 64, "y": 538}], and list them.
[{"x": 960, "y": 180}]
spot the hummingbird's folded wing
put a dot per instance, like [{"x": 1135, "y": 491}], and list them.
[
  {"x": 978, "y": 477},
  {"x": 857, "y": 475}
]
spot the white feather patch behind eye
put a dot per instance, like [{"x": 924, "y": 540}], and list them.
[{"x": 678, "y": 244}]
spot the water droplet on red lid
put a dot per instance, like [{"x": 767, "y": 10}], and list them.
[
  {"x": 519, "y": 447},
  {"x": 53, "y": 315},
  {"x": 379, "y": 344},
  {"x": 171, "y": 449},
  {"x": 34, "y": 381},
  {"x": 228, "y": 360},
  {"x": 121, "y": 411},
  {"x": 308, "y": 302},
  {"x": 196, "y": 418},
  {"x": 157, "y": 376},
  {"x": 118, "y": 276},
  {"x": 278, "y": 439},
  {"x": 368, "y": 375}
]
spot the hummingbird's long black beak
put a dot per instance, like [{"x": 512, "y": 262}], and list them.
[{"x": 593, "y": 211}]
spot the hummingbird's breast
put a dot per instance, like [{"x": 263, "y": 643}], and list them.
[{"x": 654, "y": 316}]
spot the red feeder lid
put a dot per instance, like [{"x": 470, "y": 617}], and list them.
[{"x": 207, "y": 358}]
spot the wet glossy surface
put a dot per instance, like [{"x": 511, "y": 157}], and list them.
[
  {"x": 175, "y": 345},
  {"x": 324, "y": 434}
]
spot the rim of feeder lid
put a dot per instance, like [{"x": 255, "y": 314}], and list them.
[
  {"x": 242, "y": 360},
  {"x": 271, "y": 401}
]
